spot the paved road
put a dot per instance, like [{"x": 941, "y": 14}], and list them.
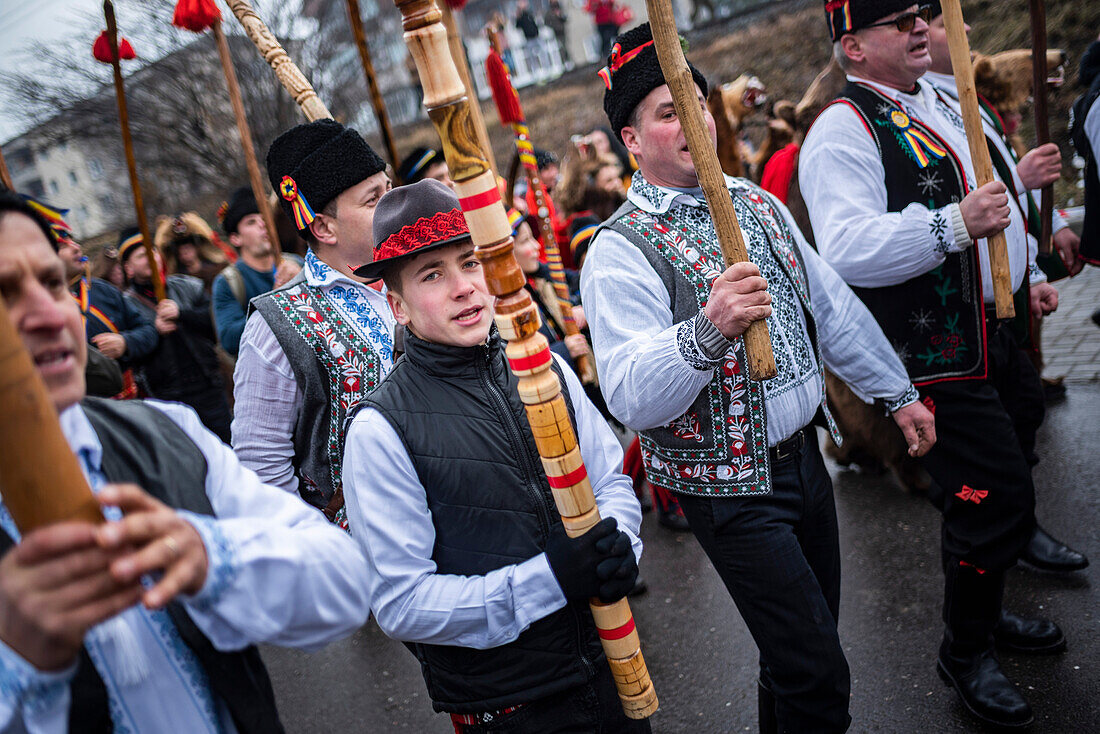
[{"x": 703, "y": 661}]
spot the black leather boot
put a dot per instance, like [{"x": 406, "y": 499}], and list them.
[
  {"x": 1029, "y": 636},
  {"x": 765, "y": 706},
  {"x": 1049, "y": 554},
  {"x": 972, "y": 608}
]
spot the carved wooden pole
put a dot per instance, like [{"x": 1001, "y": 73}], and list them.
[
  {"x": 1042, "y": 118},
  {"x": 961, "y": 64},
  {"x": 517, "y": 318},
  {"x": 372, "y": 82},
  {"x": 40, "y": 479},
  {"x": 128, "y": 147},
  {"x": 255, "y": 177},
  {"x": 291, "y": 77},
  {"x": 458, "y": 53},
  {"x": 511, "y": 112},
  {"x": 666, "y": 40}
]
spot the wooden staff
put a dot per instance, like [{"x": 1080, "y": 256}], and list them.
[
  {"x": 247, "y": 146},
  {"x": 5, "y": 174},
  {"x": 291, "y": 77},
  {"x": 458, "y": 53},
  {"x": 511, "y": 112},
  {"x": 666, "y": 40},
  {"x": 963, "y": 68},
  {"x": 1042, "y": 119},
  {"x": 372, "y": 82},
  {"x": 40, "y": 479},
  {"x": 128, "y": 146},
  {"x": 517, "y": 318}
]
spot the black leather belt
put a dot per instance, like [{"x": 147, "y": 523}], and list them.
[{"x": 790, "y": 447}]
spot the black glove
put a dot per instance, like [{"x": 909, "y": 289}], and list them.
[
  {"x": 575, "y": 561},
  {"x": 621, "y": 573}
]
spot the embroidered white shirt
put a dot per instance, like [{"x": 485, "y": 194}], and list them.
[
  {"x": 266, "y": 395},
  {"x": 644, "y": 375},
  {"x": 278, "y": 573}
]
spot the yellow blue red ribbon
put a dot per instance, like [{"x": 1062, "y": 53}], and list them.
[
  {"x": 303, "y": 213},
  {"x": 920, "y": 144}
]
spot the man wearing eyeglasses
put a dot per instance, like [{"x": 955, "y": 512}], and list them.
[{"x": 889, "y": 184}]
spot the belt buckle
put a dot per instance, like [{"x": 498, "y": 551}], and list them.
[{"x": 790, "y": 447}]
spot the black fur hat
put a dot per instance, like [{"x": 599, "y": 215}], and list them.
[
  {"x": 849, "y": 16},
  {"x": 632, "y": 72},
  {"x": 311, "y": 164},
  {"x": 240, "y": 205}
]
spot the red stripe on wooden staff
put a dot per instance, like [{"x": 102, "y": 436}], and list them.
[
  {"x": 478, "y": 201},
  {"x": 535, "y": 360},
  {"x": 619, "y": 632},
  {"x": 568, "y": 480}
]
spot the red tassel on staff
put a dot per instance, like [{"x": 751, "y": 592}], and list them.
[
  {"x": 455, "y": 4},
  {"x": 504, "y": 94},
  {"x": 101, "y": 49},
  {"x": 196, "y": 15}
]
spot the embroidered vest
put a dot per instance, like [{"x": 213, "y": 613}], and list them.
[
  {"x": 335, "y": 367},
  {"x": 719, "y": 446},
  {"x": 935, "y": 321}
]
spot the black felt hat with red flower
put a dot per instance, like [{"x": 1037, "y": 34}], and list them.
[{"x": 411, "y": 220}]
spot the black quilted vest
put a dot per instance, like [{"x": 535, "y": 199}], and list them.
[
  {"x": 935, "y": 321},
  {"x": 143, "y": 446},
  {"x": 458, "y": 412}
]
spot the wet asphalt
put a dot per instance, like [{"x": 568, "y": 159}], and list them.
[{"x": 703, "y": 662}]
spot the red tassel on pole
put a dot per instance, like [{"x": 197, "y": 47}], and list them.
[
  {"x": 101, "y": 49},
  {"x": 504, "y": 94},
  {"x": 196, "y": 15},
  {"x": 455, "y": 4}
]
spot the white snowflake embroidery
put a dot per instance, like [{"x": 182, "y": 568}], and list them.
[
  {"x": 884, "y": 109},
  {"x": 922, "y": 320},
  {"x": 902, "y": 352},
  {"x": 929, "y": 182}
]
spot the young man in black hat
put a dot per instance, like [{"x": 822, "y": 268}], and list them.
[
  {"x": 907, "y": 230},
  {"x": 666, "y": 318},
  {"x": 258, "y": 270},
  {"x": 89, "y": 644},
  {"x": 446, "y": 494},
  {"x": 184, "y": 366},
  {"x": 319, "y": 344}
]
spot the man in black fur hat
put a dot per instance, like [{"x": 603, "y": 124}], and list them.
[
  {"x": 667, "y": 317},
  {"x": 319, "y": 344}
]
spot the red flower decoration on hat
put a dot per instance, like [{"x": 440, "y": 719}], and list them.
[{"x": 423, "y": 232}]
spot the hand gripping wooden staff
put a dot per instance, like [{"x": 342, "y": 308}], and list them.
[
  {"x": 517, "y": 318},
  {"x": 963, "y": 68},
  {"x": 666, "y": 40},
  {"x": 1042, "y": 118},
  {"x": 40, "y": 479},
  {"x": 128, "y": 146},
  {"x": 511, "y": 113}
]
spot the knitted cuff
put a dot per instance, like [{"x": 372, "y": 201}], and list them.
[
  {"x": 909, "y": 396},
  {"x": 961, "y": 237}
]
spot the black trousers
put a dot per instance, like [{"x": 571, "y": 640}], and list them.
[
  {"x": 593, "y": 708},
  {"x": 981, "y": 463},
  {"x": 779, "y": 557}
]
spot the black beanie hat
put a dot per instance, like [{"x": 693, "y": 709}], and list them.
[
  {"x": 849, "y": 16},
  {"x": 239, "y": 206},
  {"x": 417, "y": 163},
  {"x": 629, "y": 77},
  {"x": 935, "y": 7},
  {"x": 544, "y": 158},
  {"x": 311, "y": 164},
  {"x": 129, "y": 240}
]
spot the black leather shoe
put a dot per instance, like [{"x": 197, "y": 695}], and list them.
[
  {"x": 986, "y": 692},
  {"x": 1046, "y": 553},
  {"x": 673, "y": 521},
  {"x": 1031, "y": 636}
]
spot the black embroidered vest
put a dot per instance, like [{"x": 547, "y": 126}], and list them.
[{"x": 935, "y": 321}]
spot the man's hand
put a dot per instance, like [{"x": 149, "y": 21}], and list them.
[
  {"x": 167, "y": 313},
  {"x": 738, "y": 297},
  {"x": 1044, "y": 299},
  {"x": 1040, "y": 166},
  {"x": 1067, "y": 244},
  {"x": 579, "y": 318},
  {"x": 577, "y": 345},
  {"x": 112, "y": 345},
  {"x": 985, "y": 210},
  {"x": 287, "y": 269},
  {"x": 918, "y": 426},
  {"x": 55, "y": 586},
  {"x": 152, "y": 537}
]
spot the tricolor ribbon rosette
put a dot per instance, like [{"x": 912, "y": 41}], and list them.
[
  {"x": 920, "y": 144},
  {"x": 303, "y": 213}
]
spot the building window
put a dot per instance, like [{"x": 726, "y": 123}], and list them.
[
  {"x": 54, "y": 188},
  {"x": 95, "y": 169},
  {"x": 72, "y": 178}
]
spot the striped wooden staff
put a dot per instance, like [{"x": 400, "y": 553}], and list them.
[
  {"x": 511, "y": 113},
  {"x": 963, "y": 68},
  {"x": 40, "y": 479},
  {"x": 517, "y": 318},
  {"x": 670, "y": 54}
]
